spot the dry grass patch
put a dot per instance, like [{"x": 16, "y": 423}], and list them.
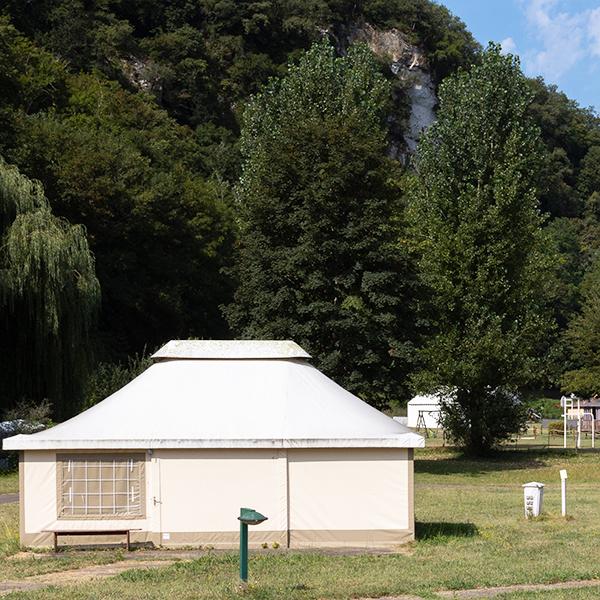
[{"x": 28, "y": 564}]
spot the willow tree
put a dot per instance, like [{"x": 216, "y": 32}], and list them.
[{"x": 48, "y": 298}]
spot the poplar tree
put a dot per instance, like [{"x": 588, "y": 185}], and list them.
[
  {"x": 475, "y": 212},
  {"x": 321, "y": 258},
  {"x": 49, "y": 295}
]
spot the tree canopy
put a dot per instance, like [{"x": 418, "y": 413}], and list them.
[
  {"x": 583, "y": 339},
  {"x": 320, "y": 254},
  {"x": 475, "y": 212}
]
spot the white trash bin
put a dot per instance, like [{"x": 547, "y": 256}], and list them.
[{"x": 533, "y": 495}]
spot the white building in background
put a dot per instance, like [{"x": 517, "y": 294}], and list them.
[{"x": 428, "y": 406}]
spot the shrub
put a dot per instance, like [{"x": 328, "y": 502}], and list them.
[
  {"x": 26, "y": 417},
  {"x": 555, "y": 427},
  {"x": 110, "y": 377}
]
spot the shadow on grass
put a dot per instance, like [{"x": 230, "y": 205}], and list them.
[
  {"x": 504, "y": 460},
  {"x": 437, "y": 530}
]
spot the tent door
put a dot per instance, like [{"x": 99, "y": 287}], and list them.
[{"x": 155, "y": 496}]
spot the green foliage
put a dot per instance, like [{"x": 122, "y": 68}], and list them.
[
  {"x": 564, "y": 244},
  {"x": 588, "y": 181},
  {"x": 203, "y": 58},
  {"x": 583, "y": 338},
  {"x": 137, "y": 194},
  {"x": 108, "y": 378},
  {"x": 49, "y": 296},
  {"x": 38, "y": 413},
  {"x": 563, "y": 248},
  {"x": 475, "y": 211},
  {"x": 321, "y": 260},
  {"x": 128, "y": 113},
  {"x": 556, "y": 427},
  {"x": 549, "y": 408},
  {"x": 570, "y": 190},
  {"x": 179, "y": 61},
  {"x": 589, "y": 189},
  {"x": 568, "y": 132},
  {"x": 159, "y": 224},
  {"x": 30, "y": 79}
]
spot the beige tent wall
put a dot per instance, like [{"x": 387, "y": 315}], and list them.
[
  {"x": 37, "y": 490},
  {"x": 354, "y": 497},
  {"x": 313, "y": 497},
  {"x": 202, "y": 492}
]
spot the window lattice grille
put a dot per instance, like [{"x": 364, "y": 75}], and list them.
[{"x": 101, "y": 486}]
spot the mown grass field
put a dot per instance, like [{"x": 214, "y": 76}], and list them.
[{"x": 471, "y": 533}]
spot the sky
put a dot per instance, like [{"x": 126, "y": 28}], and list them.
[{"x": 557, "y": 39}]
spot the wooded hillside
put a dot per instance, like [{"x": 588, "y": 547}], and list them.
[{"x": 130, "y": 116}]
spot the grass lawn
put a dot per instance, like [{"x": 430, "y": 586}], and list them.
[
  {"x": 471, "y": 533},
  {"x": 9, "y": 531},
  {"x": 17, "y": 569},
  {"x": 9, "y": 483}
]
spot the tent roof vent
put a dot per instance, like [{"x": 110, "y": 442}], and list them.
[{"x": 230, "y": 349}]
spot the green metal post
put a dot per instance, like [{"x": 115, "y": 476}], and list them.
[
  {"x": 243, "y": 552},
  {"x": 248, "y": 516}
]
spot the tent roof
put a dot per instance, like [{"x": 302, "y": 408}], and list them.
[{"x": 226, "y": 403}]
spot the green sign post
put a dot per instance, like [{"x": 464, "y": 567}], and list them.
[{"x": 248, "y": 516}]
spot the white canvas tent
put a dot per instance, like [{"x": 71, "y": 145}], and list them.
[
  {"x": 428, "y": 406},
  {"x": 214, "y": 426}
]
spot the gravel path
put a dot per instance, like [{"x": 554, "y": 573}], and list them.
[
  {"x": 76, "y": 576},
  {"x": 9, "y": 498},
  {"x": 491, "y": 592}
]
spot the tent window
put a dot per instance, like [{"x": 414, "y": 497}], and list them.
[{"x": 97, "y": 486}]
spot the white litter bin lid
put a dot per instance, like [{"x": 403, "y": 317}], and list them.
[{"x": 534, "y": 484}]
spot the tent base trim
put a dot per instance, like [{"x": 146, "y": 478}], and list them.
[{"x": 319, "y": 538}]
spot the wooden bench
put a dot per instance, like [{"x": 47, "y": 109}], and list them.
[{"x": 88, "y": 532}]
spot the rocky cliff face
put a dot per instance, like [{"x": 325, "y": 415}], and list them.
[
  {"x": 409, "y": 65},
  {"x": 415, "y": 92},
  {"x": 140, "y": 74}
]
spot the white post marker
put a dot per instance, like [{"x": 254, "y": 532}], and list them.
[
  {"x": 578, "y": 423},
  {"x": 565, "y": 427},
  {"x": 593, "y": 429},
  {"x": 566, "y": 403},
  {"x": 563, "y": 491}
]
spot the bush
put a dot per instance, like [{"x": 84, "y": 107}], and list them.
[
  {"x": 555, "y": 427},
  {"x": 25, "y": 417},
  {"x": 31, "y": 412},
  {"x": 549, "y": 408},
  {"x": 110, "y": 377}
]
